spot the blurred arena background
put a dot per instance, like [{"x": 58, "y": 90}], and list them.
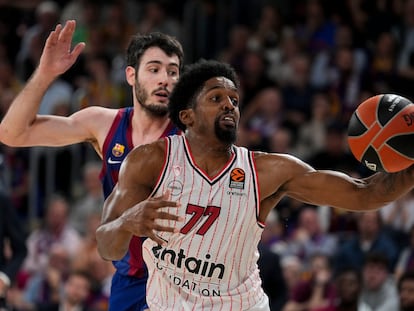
[{"x": 304, "y": 66}]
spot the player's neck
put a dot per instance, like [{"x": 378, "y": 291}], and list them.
[
  {"x": 210, "y": 157},
  {"x": 147, "y": 128},
  {"x": 209, "y": 147}
]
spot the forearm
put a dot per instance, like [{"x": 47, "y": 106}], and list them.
[
  {"x": 23, "y": 110},
  {"x": 317, "y": 300},
  {"x": 386, "y": 188},
  {"x": 342, "y": 191},
  {"x": 113, "y": 241}
]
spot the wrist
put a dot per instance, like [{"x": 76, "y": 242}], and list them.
[
  {"x": 4, "y": 278},
  {"x": 42, "y": 78}
]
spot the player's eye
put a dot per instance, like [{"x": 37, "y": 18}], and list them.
[
  {"x": 234, "y": 101},
  {"x": 173, "y": 73},
  {"x": 215, "y": 98}
]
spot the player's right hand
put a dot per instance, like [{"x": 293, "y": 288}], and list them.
[
  {"x": 141, "y": 219},
  {"x": 58, "y": 55}
]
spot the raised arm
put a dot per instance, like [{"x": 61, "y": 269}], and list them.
[
  {"x": 286, "y": 175},
  {"x": 129, "y": 210},
  {"x": 21, "y": 126}
]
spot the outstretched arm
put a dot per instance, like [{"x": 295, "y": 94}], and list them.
[
  {"x": 18, "y": 127},
  {"x": 128, "y": 210},
  {"x": 282, "y": 175}
]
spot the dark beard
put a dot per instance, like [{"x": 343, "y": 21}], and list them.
[
  {"x": 227, "y": 135},
  {"x": 142, "y": 96}
]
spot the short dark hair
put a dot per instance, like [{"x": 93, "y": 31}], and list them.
[
  {"x": 406, "y": 276},
  {"x": 377, "y": 258},
  {"x": 142, "y": 42},
  {"x": 191, "y": 83}
]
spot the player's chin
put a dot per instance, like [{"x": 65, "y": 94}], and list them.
[
  {"x": 227, "y": 134},
  {"x": 159, "y": 110}
]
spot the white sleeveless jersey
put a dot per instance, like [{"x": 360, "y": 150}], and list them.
[{"x": 211, "y": 264}]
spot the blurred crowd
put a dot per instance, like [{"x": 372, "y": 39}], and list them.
[{"x": 304, "y": 67}]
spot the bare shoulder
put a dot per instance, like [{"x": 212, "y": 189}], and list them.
[
  {"x": 275, "y": 170},
  {"x": 147, "y": 153},
  {"x": 280, "y": 162},
  {"x": 144, "y": 163},
  {"x": 97, "y": 120},
  {"x": 95, "y": 114}
]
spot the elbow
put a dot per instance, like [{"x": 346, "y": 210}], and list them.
[
  {"x": 105, "y": 247},
  {"x": 4, "y": 136},
  {"x": 7, "y": 138},
  {"x": 105, "y": 255}
]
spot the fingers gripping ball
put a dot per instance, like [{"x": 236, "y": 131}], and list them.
[{"x": 381, "y": 133}]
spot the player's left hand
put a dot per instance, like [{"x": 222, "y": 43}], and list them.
[{"x": 141, "y": 219}]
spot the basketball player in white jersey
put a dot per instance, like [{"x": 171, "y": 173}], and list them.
[{"x": 206, "y": 200}]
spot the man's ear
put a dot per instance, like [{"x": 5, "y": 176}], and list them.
[
  {"x": 186, "y": 117},
  {"x": 130, "y": 75}
]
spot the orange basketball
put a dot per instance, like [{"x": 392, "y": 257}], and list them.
[{"x": 381, "y": 133}]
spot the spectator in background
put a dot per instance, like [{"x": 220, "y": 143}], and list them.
[
  {"x": 406, "y": 291},
  {"x": 297, "y": 92},
  {"x": 91, "y": 199},
  {"x": 348, "y": 284},
  {"x": 346, "y": 81},
  {"x": 405, "y": 36},
  {"x": 55, "y": 230},
  {"x": 399, "y": 214},
  {"x": 309, "y": 238},
  {"x": 317, "y": 292},
  {"x": 292, "y": 269},
  {"x": 336, "y": 153},
  {"x": 267, "y": 33},
  {"x": 59, "y": 94},
  {"x": 156, "y": 17},
  {"x": 74, "y": 296},
  {"x": 117, "y": 27},
  {"x": 87, "y": 259},
  {"x": 12, "y": 244},
  {"x": 47, "y": 16},
  {"x": 14, "y": 178},
  {"x": 253, "y": 77},
  {"x": 237, "y": 47},
  {"x": 382, "y": 68},
  {"x": 281, "y": 141},
  {"x": 406, "y": 258},
  {"x": 379, "y": 290},
  {"x": 44, "y": 285},
  {"x": 280, "y": 60},
  {"x": 398, "y": 219},
  {"x": 369, "y": 238},
  {"x": 272, "y": 277},
  {"x": 69, "y": 294},
  {"x": 323, "y": 65},
  {"x": 311, "y": 136},
  {"x": 9, "y": 82},
  {"x": 263, "y": 117},
  {"x": 317, "y": 30},
  {"x": 98, "y": 88}
]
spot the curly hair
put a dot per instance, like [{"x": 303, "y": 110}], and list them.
[
  {"x": 140, "y": 43},
  {"x": 192, "y": 81}
]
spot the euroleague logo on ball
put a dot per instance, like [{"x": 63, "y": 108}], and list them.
[
  {"x": 409, "y": 118},
  {"x": 381, "y": 133}
]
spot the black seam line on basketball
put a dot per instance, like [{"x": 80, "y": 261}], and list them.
[
  {"x": 408, "y": 155},
  {"x": 393, "y": 117},
  {"x": 400, "y": 106},
  {"x": 356, "y": 121},
  {"x": 378, "y": 133}
]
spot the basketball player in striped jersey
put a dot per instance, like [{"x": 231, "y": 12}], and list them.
[
  {"x": 154, "y": 62},
  {"x": 206, "y": 200}
]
